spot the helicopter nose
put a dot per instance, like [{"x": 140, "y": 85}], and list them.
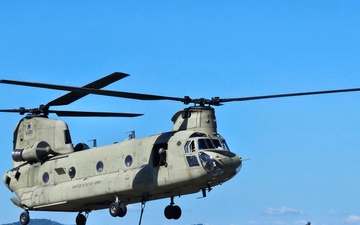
[
  {"x": 232, "y": 164},
  {"x": 220, "y": 163}
]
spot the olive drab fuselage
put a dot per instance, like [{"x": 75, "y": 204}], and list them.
[{"x": 51, "y": 174}]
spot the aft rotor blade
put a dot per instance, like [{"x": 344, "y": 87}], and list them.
[
  {"x": 86, "y": 90},
  {"x": 98, "y": 84},
  {"x": 287, "y": 95},
  {"x": 10, "y": 110},
  {"x": 92, "y": 114}
]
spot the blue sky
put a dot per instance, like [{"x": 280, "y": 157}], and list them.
[{"x": 304, "y": 151}]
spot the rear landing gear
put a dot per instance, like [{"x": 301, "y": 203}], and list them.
[
  {"x": 172, "y": 211},
  {"x": 24, "y": 218},
  {"x": 117, "y": 209}
]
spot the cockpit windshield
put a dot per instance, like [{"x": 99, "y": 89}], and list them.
[
  {"x": 220, "y": 143},
  {"x": 205, "y": 143},
  {"x": 198, "y": 144},
  {"x": 200, "y": 141}
]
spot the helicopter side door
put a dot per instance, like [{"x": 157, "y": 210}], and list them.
[{"x": 160, "y": 158}]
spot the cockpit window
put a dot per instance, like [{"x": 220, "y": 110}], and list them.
[
  {"x": 198, "y": 134},
  {"x": 225, "y": 145},
  {"x": 217, "y": 144},
  {"x": 205, "y": 143},
  {"x": 189, "y": 147},
  {"x": 220, "y": 144},
  {"x": 198, "y": 144}
]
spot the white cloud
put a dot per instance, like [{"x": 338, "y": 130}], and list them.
[
  {"x": 336, "y": 213},
  {"x": 253, "y": 222},
  {"x": 276, "y": 222},
  {"x": 283, "y": 211},
  {"x": 353, "y": 219}
]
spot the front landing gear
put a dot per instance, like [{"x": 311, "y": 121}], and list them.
[
  {"x": 24, "y": 218},
  {"x": 172, "y": 211},
  {"x": 81, "y": 218}
]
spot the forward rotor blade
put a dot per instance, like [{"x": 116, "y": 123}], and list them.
[
  {"x": 214, "y": 101},
  {"x": 21, "y": 110},
  {"x": 98, "y": 84},
  {"x": 92, "y": 114},
  {"x": 288, "y": 95},
  {"x": 87, "y": 90}
]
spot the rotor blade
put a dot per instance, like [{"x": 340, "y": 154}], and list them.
[
  {"x": 21, "y": 110},
  {"x": 10, "y": 110},
  {"x": 86, "y": 90},
  {"x": 288, "y": 95},
  {"x": 98, "y": 84},
  {"x": 92, "y": 114},
  {"x": 214, "y": 101}
]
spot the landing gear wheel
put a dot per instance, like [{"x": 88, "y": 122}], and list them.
[
  {"x": 117, "y": 209},
  {"x": 114, "y": 209},
  {"x": 122, "y": 210},
  {"x": 80, "y": 219},
  {"x": 176, "y": 212},
  {"x": 24, "y": 218},
  {"x": 168, "y": 212},
  {"x": 172, "y": 212}
]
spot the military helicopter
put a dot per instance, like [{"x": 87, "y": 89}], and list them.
[{"x": 50, "y": 173}]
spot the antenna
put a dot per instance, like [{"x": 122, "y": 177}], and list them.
[
  {"x": 131, "y": 134},
  {"x": 94, "y": 142}
]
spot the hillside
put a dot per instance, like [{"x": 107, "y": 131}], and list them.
[
  {"x": 37, "y": 222},
  {"x": 44, "y": 222}
]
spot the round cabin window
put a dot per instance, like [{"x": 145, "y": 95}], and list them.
[
  {"x": 100, "y": 166},
  {"x": 45, "y": 177},
  {"x": 72, "y": 172},
  {"x": 128, "y": 161}
]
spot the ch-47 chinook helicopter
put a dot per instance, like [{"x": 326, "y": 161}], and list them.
[{"x": 50, "y": 173}]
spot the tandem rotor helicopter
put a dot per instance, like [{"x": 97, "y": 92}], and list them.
[{"x": 51, "y": 173}]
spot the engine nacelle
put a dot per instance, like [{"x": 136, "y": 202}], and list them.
[
  {"x": 37, "y": 137},
  {"x": 34, "y": 153}
]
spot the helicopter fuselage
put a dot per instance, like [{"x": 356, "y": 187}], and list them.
[
  {"x": 175, "y": 163},
  {"x": 50, "y": 174}
]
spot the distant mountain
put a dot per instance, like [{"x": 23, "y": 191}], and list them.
[
  {"x": 37, "y": 222},
  {"x": 48, "y": 222}
]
